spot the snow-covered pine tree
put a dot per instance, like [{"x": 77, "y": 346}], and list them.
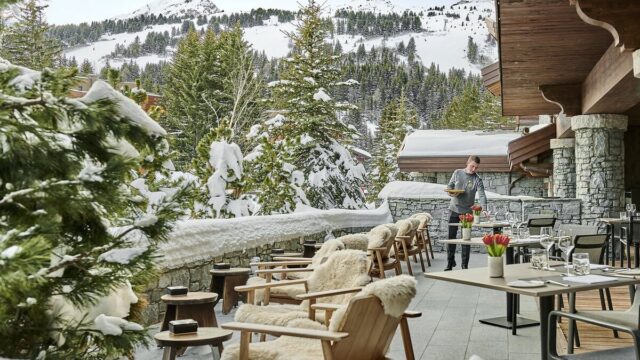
[
  {"x": 311, "y": 117},
  {"x": 219, "y": 163},
  {"x": 64, "y": 168},
  {"x": 271, "y": 174},
  {"x": 201, "y": 91},
  {"x": 398, "y": 119},
  {"x": 26, "y": 41}
]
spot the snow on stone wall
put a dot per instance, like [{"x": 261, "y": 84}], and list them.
[
  {"x": 195, "y": 245},
  {"x": 198, "y": 240},
  {"x": 497, "y": 182}
]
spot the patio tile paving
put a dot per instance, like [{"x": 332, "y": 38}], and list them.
[{"x": 449, "y": 327}]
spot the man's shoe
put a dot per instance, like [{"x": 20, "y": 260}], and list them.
[
  {"x": 464, "y": 267},
  {"x": 450, "y": 266}
]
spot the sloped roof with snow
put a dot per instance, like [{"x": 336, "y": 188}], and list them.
[
  {"x": 446, "y": 150},
  {"x": 457, "y": 143}
]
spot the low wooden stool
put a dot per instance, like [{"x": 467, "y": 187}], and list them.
[
  {"x": 223, "y": 282},
  {"x": 212, "y": 336},
  {"x": 194, "y": 305}
]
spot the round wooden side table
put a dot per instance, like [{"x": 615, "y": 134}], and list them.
[
  {"x": 212, "y": 336},
  {"x": 223, "y": 282},
  {"x": 194, "y": 305}
]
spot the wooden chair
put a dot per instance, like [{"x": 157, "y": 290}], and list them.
[
  {"x": 407, "y": 243},
  {"x": 381, "y": 242},
  {"x": 346, "y": 268},
  {"x": 423, "y": 238},
  {"x": 359, "y": 330}
]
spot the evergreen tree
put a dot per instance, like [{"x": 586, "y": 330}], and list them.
[
  {"x": 272, "y": 173},
  {"x": 27, "y": 43},
  {"x": 472, "y": 50},
  {"x": 474, "y": 109},
  {"x": 86, "y": 68},
  {"x": 411, "y": 50},
  {"x": 202, "y": 80},
  {"x": 398, "y": 119},
  {"x": 220, "y": 162},
  {"x": 332, "y": 178},
  {"x": 65, "y": 169}
]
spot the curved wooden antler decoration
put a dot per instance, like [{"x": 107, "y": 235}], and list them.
[
  {"x": 619, "y": 17},
  {"x": 566, "y": 96}
]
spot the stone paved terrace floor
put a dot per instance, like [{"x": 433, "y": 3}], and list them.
[{"x": 449, "y": 327}]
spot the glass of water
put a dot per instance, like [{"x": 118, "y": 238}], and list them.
[
  {"x": 566, "y": 245},
  {"x": 546, "y": 240},
  {"x": 581, "y": 264},
  {"x": 538, "y": 259}
]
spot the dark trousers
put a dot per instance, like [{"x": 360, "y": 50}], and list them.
[{"x": 451, "y": 248}]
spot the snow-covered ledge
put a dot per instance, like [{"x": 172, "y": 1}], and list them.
[
  {"x": 195, "y": 245},
  {"x": 197, "y": 240}
]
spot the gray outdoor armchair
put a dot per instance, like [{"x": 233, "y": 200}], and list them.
[{"x": 618, "y": 320}]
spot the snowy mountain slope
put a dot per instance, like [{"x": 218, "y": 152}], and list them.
[
  {"x": 443, "y": 41},
  {"x": 191, "y": 8}
]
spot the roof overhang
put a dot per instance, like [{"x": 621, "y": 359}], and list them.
[
  {"x": 491, "y": 78},
  {"x": 574, "y": 56},
  {"x": 531, "y": 145},
  {"x": 450, "y": 163}
]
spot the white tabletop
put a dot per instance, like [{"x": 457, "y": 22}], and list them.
[
  {"x": 477, "y": 241},
  {"x": 486, "y": 224}
]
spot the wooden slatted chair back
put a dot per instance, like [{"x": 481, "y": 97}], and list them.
[{"x": 370, "y": 330}]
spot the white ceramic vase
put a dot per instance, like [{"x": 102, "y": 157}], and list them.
[
  {"x": 496, "y": 266},
  {"x": 476, "y": 219},
  {"x": 466, "y": 233}
]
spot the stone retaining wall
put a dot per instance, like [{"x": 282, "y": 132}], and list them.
[
  {"x": 566, "y": 210},
  {"x": 497, "y": 182},
  {"x": 196, "y": 275}
]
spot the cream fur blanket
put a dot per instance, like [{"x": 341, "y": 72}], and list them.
[
  {"x": 343, "y": 269},
  {"x": 394, "y": 293}
]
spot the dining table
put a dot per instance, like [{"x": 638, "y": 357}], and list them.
[
  {"x": 610, "y": 250},
  {"x": 511, "y": 320},
  {"x": 552, "y": 283}
]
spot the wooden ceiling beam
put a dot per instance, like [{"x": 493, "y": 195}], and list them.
[
  {"x": 566, "y": 96},
  {"x": 611, "y": 86},
  {"x": 619, "y": 17}
]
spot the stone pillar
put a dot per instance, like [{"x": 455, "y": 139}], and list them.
[
  {"x": 564, "y": 167},
  {"x": 599, "y": 146}
]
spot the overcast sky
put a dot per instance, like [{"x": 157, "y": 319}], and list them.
[{"x": 77, "y": 11}]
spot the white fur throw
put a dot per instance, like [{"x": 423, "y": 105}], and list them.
[
  {"x": 327, "y": 248},
  {"x": 378, "y": 236},
  {"x": 415, "y": 223},
  {"x": 395, "y": 294},
  {"x": 425, "y": 219},
  {"x": 289, "y": 290},
  {"x": 393, "y": 228},
  {"x": 355, "y": 241},
  {"x": 283, "y": 348},
  {"x": 343, "y": 269},
  {"x": 404, "y": 227}
]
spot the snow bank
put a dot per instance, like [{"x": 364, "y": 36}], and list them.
[
  {"x": 127, "y": 107},
  {"x": 457, "y": 143},
  {"x": 195, "y": 240},
  {"x": 424, "y": 190}
]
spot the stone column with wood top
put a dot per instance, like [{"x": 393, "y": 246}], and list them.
[
  {"x": 599, "y": 148},
  {"x": 564, "y": 167}
]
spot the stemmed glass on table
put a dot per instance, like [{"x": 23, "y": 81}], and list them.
[
  {"x": 566, "y": 245},
  {"x": 631, "y": 210},
  {"x": 546, "y": 240}
]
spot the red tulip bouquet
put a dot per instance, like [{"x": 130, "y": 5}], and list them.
[
  {"x": 496, "y": 244},
  {"x": 477, "y": 209},
  {"x": 466, "y": 220}
]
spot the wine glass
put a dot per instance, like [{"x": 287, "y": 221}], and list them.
[
  {"x": 566, "y": 245},
  {"x": 546, "y": 240}
]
